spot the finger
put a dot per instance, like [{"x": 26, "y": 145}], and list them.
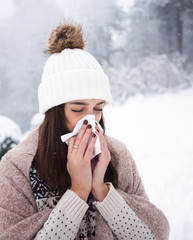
[
  {"x": 98, "y": 129},
  {"x": 81, "y": 132},
  {"x": 99, "y": 133},
  {"x": 71, "y": 144},
  {"x": 84, "y": 141},
  {"x": 101, "y": 139},
  {"x": 90, "y": 148}
]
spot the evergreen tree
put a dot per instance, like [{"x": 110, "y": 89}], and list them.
[{"x": 6, "y": 145}]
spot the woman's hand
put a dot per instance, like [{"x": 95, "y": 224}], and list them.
[
  {"x": 79, "y": 161},
  {"x": 99, "y": 188}
]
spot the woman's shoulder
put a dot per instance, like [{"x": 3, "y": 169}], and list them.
[
  {"x": 119, "y": 150},
  {"x": 115, "y": 145},
  {"x": 123, "y": 162},
  {"x": 20, "y": 157}
]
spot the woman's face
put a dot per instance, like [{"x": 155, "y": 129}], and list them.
[{"x": 75, "y": 110}]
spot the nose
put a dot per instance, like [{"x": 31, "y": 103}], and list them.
[{"x": 90, "y": 111}]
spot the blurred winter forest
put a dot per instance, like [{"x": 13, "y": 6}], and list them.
[{"x": 145, "y": 46}]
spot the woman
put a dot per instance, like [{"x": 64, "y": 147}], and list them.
[{"x": 51, "y": 190}]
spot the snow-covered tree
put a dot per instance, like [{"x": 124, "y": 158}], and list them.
[
  {"x": 22, "y": 59},
  {"x": 175, "y": 25}
]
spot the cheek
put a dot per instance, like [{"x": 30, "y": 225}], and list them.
[{"x": 71, "y": 120}]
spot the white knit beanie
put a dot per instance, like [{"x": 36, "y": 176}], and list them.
[{"x": 70, "y": 73}]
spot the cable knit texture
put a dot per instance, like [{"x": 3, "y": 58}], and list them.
[{"x": 19, "y": 216}]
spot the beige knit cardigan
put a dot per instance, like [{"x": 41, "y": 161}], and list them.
[{"x": 19, "y": 216}]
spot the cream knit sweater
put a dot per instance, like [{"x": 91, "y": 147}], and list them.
[{"x": 19, "y": 216}]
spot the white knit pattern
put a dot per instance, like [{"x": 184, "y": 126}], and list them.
[{"x": 73, "y": 74}]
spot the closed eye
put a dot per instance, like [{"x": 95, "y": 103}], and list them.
[
  {"x": 76, "y": 110},
  {"x": 96, "y": 109}
]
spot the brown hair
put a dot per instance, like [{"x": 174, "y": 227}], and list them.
[{"x": 51, "y": 157}]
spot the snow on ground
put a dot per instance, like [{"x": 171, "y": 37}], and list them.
[{"x": 158, "y": 130}]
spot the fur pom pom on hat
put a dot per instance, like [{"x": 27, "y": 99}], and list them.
[
  {"x": 70, "y": 73},
  {"x": 65, "y": 36}
]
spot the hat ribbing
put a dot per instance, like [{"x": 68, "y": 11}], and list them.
[{"x": 71, "y": 75}]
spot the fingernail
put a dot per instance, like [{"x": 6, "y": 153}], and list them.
[
  {"x": 89, "y": 126},
  {"x": 85, "y": 122},
  {"x": 94, "y": 135}
]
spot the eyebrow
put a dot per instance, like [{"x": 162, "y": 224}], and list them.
[{"x": 82, "y": 103}]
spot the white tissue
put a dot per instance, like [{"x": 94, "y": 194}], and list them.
[{"x": 91, "y": 120}]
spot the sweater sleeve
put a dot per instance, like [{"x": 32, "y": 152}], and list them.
[
  {"x": 65, "y": 218},
  {"x": 122, "y": 220}
]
